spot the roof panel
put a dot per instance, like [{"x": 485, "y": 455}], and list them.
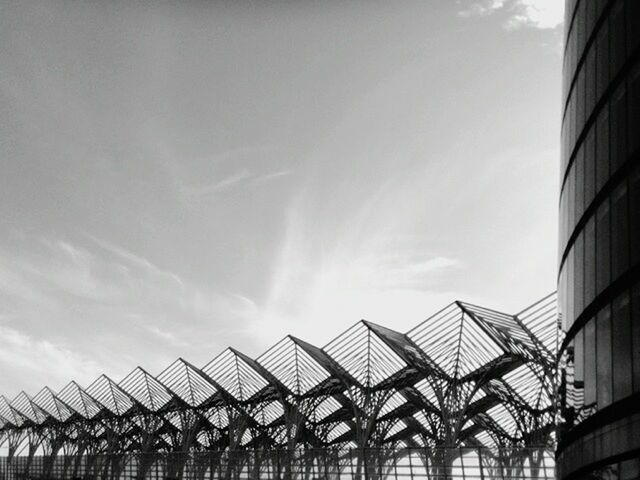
[
  {"x": 108, "y": 393},
  {"x": 293, "y": 366},
  {"x": 49, "y": 402},
  {"x": 462, "y": 341},
  {"x": 187, "y": 382},
  {"x": 80, "y": 401},
  {"x": 364, "y": 355},
  {"x": 235, "y": 375},
  {"x": 25, "y": 406},
  {"x": 541, "y": 319},
  {"x": 9, "y": 413},
  {"x": 146, "y": 389},
  {"x": 455, "y": 341}
]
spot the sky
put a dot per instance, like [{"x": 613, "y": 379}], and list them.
[{"x": 179, "y": 177}]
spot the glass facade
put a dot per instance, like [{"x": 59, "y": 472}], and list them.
[{"x": 599, "y": 259}]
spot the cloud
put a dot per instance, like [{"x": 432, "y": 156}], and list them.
[
  {"x": 134, "y": 259},
  {"x": 103, "y": 299},
  {"x": 380, "y": 270},
  {"x": 41, "y": 361},
  {"x": 242, "y": 177},
  {"x": 218, "y": 186},
  {"x": 432, "y": 265},
  {"x": 270, "y": 176},
  {"x": 167, "y": 336},
  {"x": 320, "y": 286},
  {"x": 482, "y": 8},
  {"x": 541, "y": 14}
]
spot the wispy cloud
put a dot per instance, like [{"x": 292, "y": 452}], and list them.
[
  {"x": 187, "y": 198},
  {"x": 482, "y": 8},
  {"x": 432, "y": 265},
  {"x": 240, "y": 178},
  {"x": 541, "y": 14},
  {"x": 366, "y": 270},
  {"x": 134, "y": 259},
  {"x": 163, "y": 335},
  {"x": 41, "y": 361},
  {"x": 224, "y": 184},
  {"x": 270, "y": 176},
  {"x": 103, "y": 298}
]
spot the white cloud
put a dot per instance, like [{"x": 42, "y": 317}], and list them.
[
  {"x": 102, "y": 299},
  {"x": 131, "y": 258},
  {"x": 542, "y": 14},
  {"x": 219, "y": 185},
  {"x": 368, "y": 270},
  {"x": 481, "y": 8},
  {"x": 41, "y": 362},
  {"x": 239, "y": 178},
  {"x": 538, "y": 13},
  {"x": 270, "y": 176}
]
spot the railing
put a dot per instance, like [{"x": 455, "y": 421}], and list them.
[{"x": 311, "y": 464}]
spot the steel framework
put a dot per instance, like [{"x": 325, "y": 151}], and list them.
[
  {"x": 308, "y": 464},
  {"x": 467, "y": 377}
]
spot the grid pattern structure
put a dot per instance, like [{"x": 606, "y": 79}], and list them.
[
  {"x": 467, "y": 377},
  {"x": 599, "y": 235},
  {"x": 334, "y": 464}
]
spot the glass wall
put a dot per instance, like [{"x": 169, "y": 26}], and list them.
[{"x": 599, "y": 231}]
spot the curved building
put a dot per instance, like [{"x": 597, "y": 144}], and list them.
[{"x": 599, "y": 254}]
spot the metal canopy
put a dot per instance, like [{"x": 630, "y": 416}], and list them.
[{"x": 466, "y": 376}]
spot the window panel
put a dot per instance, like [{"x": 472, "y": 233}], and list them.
[
  {"x": 573, "y": 51},
  {"x": 590, "y": 17},
  {"x": 590, "y": 362},
  {"x": 565, "y": 84},
  {"x": 562, "y": 296},
  {"x": 589, "y": 166},
  {"x": 600, "y": 7},
  {"x": 571, "y": 399},
  {"x": 634, "y": 215},
  {"x": 618, "y": 130},
  {"x": 571, "y": 119},
  {"x": 603, "y": 355},
  {"x": 635, "y": 334},
  {"x": 566, "y": 297},
  {"x": 579, "y": 187},
  {"x": 581, "y": 27},
  {"x": 580, "y": 101},
  {"x": 619, "y": 231},
  {"x": 633, "y": 24},
  {"x": 578, "y": 359},
  {"x": 617, "y": 29},
  {"x": 563, "y": 152},
  {"x": 564, "y": 157},
  {"x": 590, "y": 261},
  {"x": 633, "y": 107},
  {"x": 602, "y": 148},
  {"x": 567, "y": 53},
  {"x": 568, "y": 13},
  {"x": 603, "y": 247},
  {"x": 578, "y": 272},
  {"x": 621, "y": 336},
  {"x": 590, "y": 81},
  {"x": 564, "y": 225},
  {"x": 602, "y": 59},
  {"x": 571, "y": 198},
  {"x": 570, "y": 287},
  {"x": 630, "y": 469},
  {"x": 561, "y": 237}
]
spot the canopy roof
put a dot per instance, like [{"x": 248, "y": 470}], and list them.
[{"x": 466, "y": 375}]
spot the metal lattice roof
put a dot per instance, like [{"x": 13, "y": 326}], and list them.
[{"x": 467, "y": 375}]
